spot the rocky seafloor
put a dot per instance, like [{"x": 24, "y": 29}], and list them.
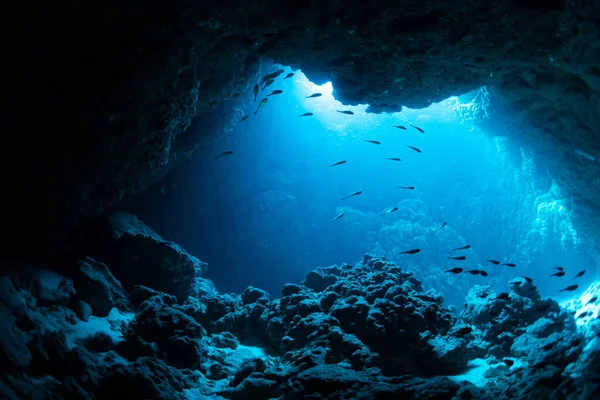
[{"x": 135, "y": 318}]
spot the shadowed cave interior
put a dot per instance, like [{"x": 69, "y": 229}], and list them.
[{"x": 341, "y": 200}]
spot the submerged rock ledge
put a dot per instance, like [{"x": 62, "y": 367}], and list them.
[{"x": 367, "y": 331}]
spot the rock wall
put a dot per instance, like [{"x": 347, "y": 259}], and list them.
[{"x": 107, "y": 93}]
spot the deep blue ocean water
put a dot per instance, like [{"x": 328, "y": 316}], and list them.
[{"x": 258, "y": 216}]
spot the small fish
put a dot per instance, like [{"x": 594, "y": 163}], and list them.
[
  {"x": 527, "y": 279},
  {"x": 460, "y": 258},
  {"x": 455, "y": 270},
  {"x": 272, "y": 75},
  {"x": 583, "y": 314},
  {"x": 288, "y": 76},
  {"x": 580, "y": 274},
  {"x": 592, "y": 300},
  {"x": 312, "y": 96},
  {"x": 462, "y": 248},
  {"x": 510, "y": 265},
  {"x": 569, "y": 288},
  {"x": 268, "y": 83},
  {"x": 439, "y": 229},
  {"x": 559, "y": 273},
  {"x": 338, "y": 163},
  {"x": 162, "y": 190},
  {"x": 417, "y": 128},
  {"x": 559, "y": 268},
  {"x": 509, "y": 363},
  {"x": 245, "y": 117},
  {"x": 548, "y": 346},
  {"x": 414, "y": 148},
  {"x": 393, "y": 159},
  {"x": 211, "y": 105},
  {"x": 261, "y": 104},
  {"x": 390, "y": 211},
  {"x": 335, "y": 219},
  {"x": 483, "y": 273},
  {"x": 306, "y": 115},
  {"x": 256, "y": 89},
  {"x": 400, "y": 127},
  {"x": 503, "y": 296},
  {"x": 274, "y": 92},
  {"x": 373, "y": 141},
  {"x": 495, "y": 262},
  {"x": 406, "y": 187},
  {"x": 413, "y": 251},
  {"x": 345, "y": 112},
  {"x": 473, "y": 271},
  {"x": 464, "y": 331},
  {"x": 352, "y": 195},
  {"x": 225, "y": 153}
]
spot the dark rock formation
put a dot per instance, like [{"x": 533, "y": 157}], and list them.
[
  {"x": 139, "y": 256},
  {"x": 124, "y": 109},
  {"x": 371, "y": 333}
]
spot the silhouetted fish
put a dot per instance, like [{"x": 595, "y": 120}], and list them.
[
  {"x": 245, "y": 117},
  {"x": 261, "y": 104},
  {"x": 503, "y": 296},
  {"x": 345, "y": 112},
  {"x": 495, "y": 262},
  {"x": 352, "y": 195},
  {"x": 462, "y": 248},
  {"x": 390, "y": 211},
  {"x": 559, "y": 268},
  {"x": 413, "y": 251},
  {"x": 335, "y": 219},
  {"x": 373, "y": 141},
  {"x": 288, "y": 76},
  {"x": 256, "y": 89},
  {"x": 419, "y": 129},
  {"x": 274, "y": 92},
  {"x": 308, "y": 114},
  {"x": 527, "y": 278},
  {"x": 338, "y": 163},
  {"x": 272, "y": 75},
  {"x": 439, "y": 229},
  {"x": 460, "y": 258},
  {"x": 592, "y": 300},
  {"x": 510, "y": 265},
  {"x": 483, "y": 273},
  {"x": 393, "y": 159},
  {"x": 414, "y": 148},
  {"x": 225, "y": 153},
  {"x": 559, "y": 273},
  {"x": 455, "y": 270},
  {"x": 400, "y": 127},
  {"x": 406, "y": 187},
  {"x": 583, "y": 314},
  {"x": 569, "y": 288},
  {"x": 314, "y": 95},
  {"x": 268, "y": 83},
  {"x": 548, "y": 346},
  {"x": 473, "y": 271},
  {"x": 579, "y": 274}
]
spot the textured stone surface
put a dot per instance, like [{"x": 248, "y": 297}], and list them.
[
  {"x": 139, "y": 256},
  {"x": 379, "y": 337},
  {"x": 124, "y": 109}
]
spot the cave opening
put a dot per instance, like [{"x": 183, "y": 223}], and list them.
[{"x": 259, "y": 217}]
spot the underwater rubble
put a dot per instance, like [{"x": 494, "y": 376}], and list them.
[{"x": 365, "y": 331}]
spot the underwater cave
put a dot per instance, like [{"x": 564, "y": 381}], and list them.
[{"x": 320, "y": 200}]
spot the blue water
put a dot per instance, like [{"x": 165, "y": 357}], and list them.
[{"x": 258, "y": 216}]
